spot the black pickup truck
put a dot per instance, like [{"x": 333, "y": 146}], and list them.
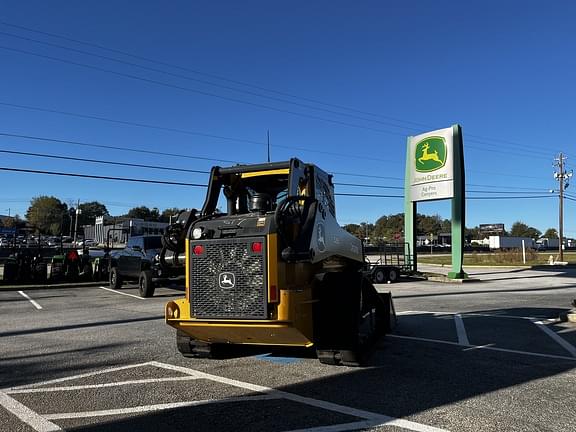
[{"x": 137, "y": 262}]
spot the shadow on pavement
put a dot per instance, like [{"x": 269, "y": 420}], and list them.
[
  {"x": 14, "y": 371},
  {"x": 79, "y": 326},
  {"x": 402, "y": 378}
]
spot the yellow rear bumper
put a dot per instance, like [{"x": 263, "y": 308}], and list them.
[{"x": 253, "y": 332}]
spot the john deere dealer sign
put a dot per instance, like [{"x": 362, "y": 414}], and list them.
[{"x": 432, "y": 165}]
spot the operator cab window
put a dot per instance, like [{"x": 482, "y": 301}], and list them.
[{"x": 258, "y": 194}]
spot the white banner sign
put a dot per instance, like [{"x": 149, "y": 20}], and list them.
[{"x": 432, "y": 165}]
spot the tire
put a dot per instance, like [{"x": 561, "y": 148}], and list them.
[
  {"x": 115, "y": 279},
  {"x": 393, "y": 275},
  {"x": 145, "y": 284},
  {"x": 379, "y": 276},
  {"x": 87, "y": 272}
]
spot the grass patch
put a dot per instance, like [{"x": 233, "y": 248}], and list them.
[{"x": 506, "y": 258}]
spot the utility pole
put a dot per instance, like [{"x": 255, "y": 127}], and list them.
[{"x": 563, "y": 178}]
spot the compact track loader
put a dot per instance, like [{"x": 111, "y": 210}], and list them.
[{"x": 275, "y": 268}]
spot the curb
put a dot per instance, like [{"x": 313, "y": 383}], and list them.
[
  {"x": 51, "y": 286},
  {"x": 435, "y": 277},
  {"x": 527, "y": 267}
]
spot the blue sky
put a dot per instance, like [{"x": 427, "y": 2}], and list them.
[{"x": 340, "y": 84}]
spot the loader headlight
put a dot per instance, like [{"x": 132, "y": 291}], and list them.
[{"x": 197, "y": 233}]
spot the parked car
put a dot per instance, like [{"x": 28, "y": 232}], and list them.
[
  {"x": 85, "y": 243},
  {"x": 137, "y": 262}
]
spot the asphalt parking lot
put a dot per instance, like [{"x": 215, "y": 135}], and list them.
[{"x": 481, "y": 356}]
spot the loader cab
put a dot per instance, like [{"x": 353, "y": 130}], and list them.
[{"x": 257, "y": 189}]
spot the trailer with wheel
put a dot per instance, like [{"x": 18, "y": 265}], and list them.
[{"x": 390, "y": 261}]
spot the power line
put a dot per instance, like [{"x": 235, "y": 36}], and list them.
[
  {"x": 178, "y": 155},
  {"x": 171, "y": 183},
  {"x": 369, "y": 186},
  {"x": 124, "y": 53},
  {"x": 506, "y": 175},
  {"x": 366, "y": 176},
  {"x": 470, "y": 191},
  {"x": 530, "y": 155},
  {"x": 101, "y": 177},
  {"x": 242, "y": 83},
  {"x": 104, "y": 162},
  {"x": 181, "y": 155},
  {"x": 127, "y": 123},
  {"x": 182, "y": 131},
  {"x": 200, "y": 92},
  {"x": 251, "y": 93},
  {"x": 135, "y": 165},
  {"x": 119, "y": 148},
  {"x": 477, "y": 138},
  {"x": 506, "y": 192},
  {"x": 509, "y": 197},
  {"x": 368, "y": 195},
  {"x": 230, "y": 99},
  {"x": 499, "y": 187}
]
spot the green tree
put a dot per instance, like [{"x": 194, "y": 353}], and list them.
[
  {"x": 143, "y": 212},
  {"x": 428, "y": 224},
  {"x": 362, "y": 231},
  {"x": 473, "y": 234},
  {"x": 167, "y": 213},
  {"x": 48, "y": 214},
  {"x": 551, "y": 233},
  {"x": 90, "y": 211},
  {"x": 520, "y": 229},
  {"x": 388, "y": 227},
  {"x": 12, "y": 222},
  {"x": 353, "y": 229}
]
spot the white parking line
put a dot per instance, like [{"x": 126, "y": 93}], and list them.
[
  {"x": 42, "y": 423},
  {"x": 476, "y": 314},
  {"x": 123, "y": 293},
  {"x": 99, "y": 386},
  {"x": 152, "y": 408},
  {"x": 26, "y": 296},
  {"x": 375, "y": 419},
  {"x": 364, "y": 424},
  {"x": 558, "y": 339},
  {"x": 481, "y": 347},
  {"x": 31, "y": 418},
  {"x": 461, "y": 330},
  {"x": 73, "y": 377}
]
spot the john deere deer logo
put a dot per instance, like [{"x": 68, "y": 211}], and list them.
[{"x": 430, "y": 154}]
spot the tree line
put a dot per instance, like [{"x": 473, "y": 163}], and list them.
[
  {"x": 391, "y": 227},
  {"x": 49, "y": 215}
]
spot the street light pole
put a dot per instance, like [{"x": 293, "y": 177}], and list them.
[{"x": 78, "y": 211}]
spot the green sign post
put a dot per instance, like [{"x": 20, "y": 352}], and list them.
[{"x": 434, "y": 171}]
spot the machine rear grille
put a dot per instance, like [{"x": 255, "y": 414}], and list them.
[{"x": 228, "y": 280}]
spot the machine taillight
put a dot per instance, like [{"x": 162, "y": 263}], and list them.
[
  {"x": 273, "y": 294},
  {"x": 257, "y": 247},
  {"x": 198, "y": 250}
]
